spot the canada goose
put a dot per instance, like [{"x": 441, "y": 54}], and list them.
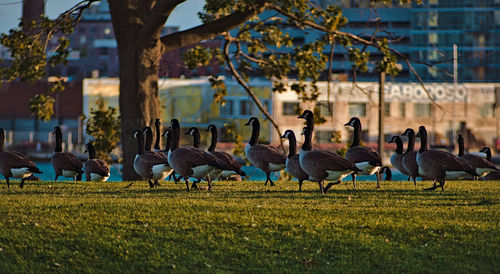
[
  {"x": 15, "y": 165},
  {"x": 95, "y": 169},
  {"x": 168, "y": 135},
  {"x": 231, "y": 166},
  {"x": 397, "y": 156},
  {"x": 65, "y": 164},
  {"x": 365, "y": 158},
  {"x": 264, "y": 157},
  {"x": 388, "y": 173},
  {"x": 492, "y": 176},
  {"x": 409, "y": 159},
  {"x": 480, "y": 164},
  {"x": 147, "y": 149},
  {"x": 323, "y": 165},
  {"x": 292, "y": 160},
  {"x": 149, "y": 165},
  {"x": 189, "y": 161},
  {"x": 439, "y": 165},
  {"x": 157, "y": 146}
]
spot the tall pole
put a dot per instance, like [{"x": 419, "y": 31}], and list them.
[
  {"x": 381, "y": 83},
  {"x": 455, "y": 68}
]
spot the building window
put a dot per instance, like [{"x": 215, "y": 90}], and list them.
[
  {"x": 357, "y": 109},
  {"x": 245, "y": 107},
  {"x": 227, "y": 108},
  {"x": 433, "y": 19},
  {"x": 323, "y": 136},
  {"x": 402, "y": 110},
  {"x": 324, "y": 108},
  {"x": 422, "y": 110},
  {"x": 433, "y": 38},
  {"x": 487, "y": 110},
  {"x": 290, "y": 108},
  {"x": 387, "y": 109}
]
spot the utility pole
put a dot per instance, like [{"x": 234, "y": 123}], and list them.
[
  {"x": 381, "y": 105},
  {"x": 455, "y": 65}
]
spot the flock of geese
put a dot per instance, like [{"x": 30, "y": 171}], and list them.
[{"x": 154, "y": 164}]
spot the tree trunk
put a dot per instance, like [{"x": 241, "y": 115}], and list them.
[{"x": 139, "y": 65}]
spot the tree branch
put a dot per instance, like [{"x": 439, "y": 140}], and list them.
[
  {"x": 250, "y": 92},
  {"x": 191, "y": 36},
  {"x": 155, "y": 21}
]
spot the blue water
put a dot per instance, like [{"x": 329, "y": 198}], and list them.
[{"x": 254, "y": 174}]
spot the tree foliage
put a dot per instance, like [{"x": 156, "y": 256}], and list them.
[{"x": 104, "y": 126}]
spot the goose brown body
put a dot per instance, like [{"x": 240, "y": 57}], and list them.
[
  {"x": 95, "y": 169},
  {"x": 480, "y": 164},
  {"x": 64, "y": 163},
  {"x": 409, "y": 159}
]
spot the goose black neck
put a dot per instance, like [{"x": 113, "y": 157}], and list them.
[
  {"x": 140, "y": 144},
  {"x": 196, "y": 139},
  {"x": 176, "y": 135},
  {"x": 255, "y": 133},
  {"x": 411, "y": 141},
  {"x": 213, "y": 142},
  {"x": 488, "y": 154},
  {"x": 2, "y": 139},
  {"x": 460, "y": 147},
  {"x": 157, "y": 130},
  {"x": 307, "y": 145},
  {"x": 58, "y": 133},
  {"x": 292, "y": 145},
  {"x": 399, "y": 145},
  {"x": 310, "y": 122},
  {"x": 423, "y": 140},
  {"x": 149, "y": 139},
  {"x": 91, "y": 151},
  {"x": 168, "y": 142},
  {"x": 357, "y": 135}
]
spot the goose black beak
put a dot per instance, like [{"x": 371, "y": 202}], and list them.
[
  {"x": 390, "y": 141},
  {"x": 417, "y": 135},
  {"x": 186, "y": 133},
  {"x": 283, "y": 136},
  {"x": 347, "y": 125},
  {"x": 248, "y": 123},
  {"x": 301, "y": 117}
]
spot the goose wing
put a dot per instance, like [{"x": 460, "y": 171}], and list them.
[
  {"x": 18, "y": 160},
  {"x": 364, "y": 154},
  {"x": 155, "y": 157},
  {"x": 68, "y": 161},
  {"x": 226, "y": 160},
  {"x": 445, "y": 160},
  {"x": 325, "y": 160},
  {"x": 478, "y": 161},
  {"x": 268, "y": 154},
  {"x": 96, "y": 166},
  {"x": 410, "y": 163}
]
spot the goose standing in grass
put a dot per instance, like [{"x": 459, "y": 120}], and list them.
[
  {"x": 292, "y": 160},
  {"x": 95, "y": 169},
  {"x": 267, "y": 158},
  {"x": 147, "y": 149},
  {"x": 15, "y": 165},
  {"x": 188, "y": 161},
  {"x": 397, "y": 156},
  {"x": 64, "y": 163},
  {"x": 323, "y": 165},
  {"x": 226, "y": 160},
  {"x": 439, "y": 165},
  {"x": 365, "y": 158},
  {"x": 409, "y": 159},
  {"x": 480, "y": 164},
  {"x": 492, "y": 176},
  {"x": 149, "y": 165}
]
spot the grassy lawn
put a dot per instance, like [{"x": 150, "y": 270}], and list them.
[{"x": 247, "y": 227}]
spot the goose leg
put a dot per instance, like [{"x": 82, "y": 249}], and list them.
[
  {"x": 186, "y": 179},
  {"x": 151, "y": 185},
  {"x": 209, "y": 184},
  {"x": 441, "y": 184},
  {"x": 7, "y": 180},
  {"x": 353, "y": 175},
  {"x": 415, "y": 180},
  {"x": 157, "y": 183},
  {"x": 434, "y": 186},
  {"x": 378, "y": 178},
  {"x": 193, "y": 185},
  {"x": 267, "y": 178},
  {"x": 21, "y": 184},
  {"x": 329, "y": 185},
  {"x": 320, "y": 184},
  {"x": 78, "y": 177},
  {"x": 300, "y": 184}
]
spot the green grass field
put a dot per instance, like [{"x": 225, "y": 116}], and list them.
[{"x": 247, "y": 227}]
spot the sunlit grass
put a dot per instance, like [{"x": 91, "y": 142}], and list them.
[{"x": 245, "y": 226}]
